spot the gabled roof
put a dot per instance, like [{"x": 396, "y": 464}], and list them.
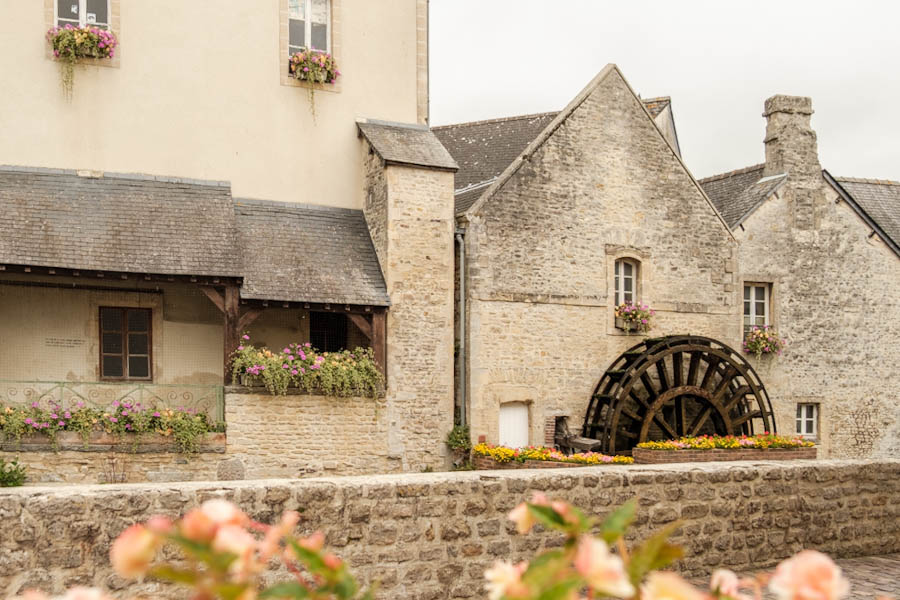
[
  {"x": 737, "y": 194},
  {"x": 406, "y": 144},
  {"x": 311, "y": 253},
  {"x": 484, "y": 149},
  {"x": 116, "y": 222},
  {"x": 880, "y": 199}
]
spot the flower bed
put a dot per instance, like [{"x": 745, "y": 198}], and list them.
[
  {"x": 100, "y": 441},
  {"x": 706, "y": 448},
  {"x": 46, "y": 426},
  {"x": 301, "y": 366},
  {"x": 487, "y": 457}
]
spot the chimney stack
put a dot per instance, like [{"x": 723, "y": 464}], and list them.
[{"x": 790, "y": 141}]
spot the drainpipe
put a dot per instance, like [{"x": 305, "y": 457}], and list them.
[{"x": 461, "y": 394}]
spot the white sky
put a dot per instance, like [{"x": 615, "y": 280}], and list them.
[{"x": 718, "y": 60}]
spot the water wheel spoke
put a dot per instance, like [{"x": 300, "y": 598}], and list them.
[
  {"x": 664, "y": 425},
  {"x": 663, "y": 374},
  {"x": 694, "y": 368},
  {"x": 648, "y": 385},
  {"x": 638, "y": 399},
  {"x": 677, "y": 369},
  {"x": 630, "y": 414},
  {"x": 736, "y": 396},
  {"x": 746, "y": 417},
  {"x": 710, "y": 371},
  {"x": 699, "y": 420},
  {"x": 722, "y": 387}
]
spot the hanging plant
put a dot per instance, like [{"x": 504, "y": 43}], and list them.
[
  {"x": 316, "y": 68},
  {"x": 763, "y": 340},
  {"x": 634, "y": 317},
  {"x": 70, "y": 44}
]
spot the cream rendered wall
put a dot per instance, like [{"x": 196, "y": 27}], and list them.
[
  {"x": 196, "y": 92},
  {"x": 52, "y": 334}
]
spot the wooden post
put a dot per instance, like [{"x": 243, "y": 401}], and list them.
[
  {"x": 379, "y": 339},
  {"x": 232, "y": 306}
]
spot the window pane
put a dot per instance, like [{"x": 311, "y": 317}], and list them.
[
  {"x": 319, "y": 12},
  {"x": 112, "y": 343},
  {"x": 747, "y": 309},
  {"x": 799, "y": 426},
  {"x": 617, "y": 269},
  {"x": 809, "y": 427},
  {"x": 810, "y": 411},
  {"x": 67, "y": 9},
  {"x": 746, "y": 292},
  {"x": 296, "y": 9},
  {"x": 799, "y": 411},
  {"x": 319, "y": 35},
  {"x": 138, "y": 320},
  {"x": 112, "y": 366},
  {"x": 628, "y": 298},
  {"x": 627, "y": 284},
  {"x": 138, "y": 343},
  {"x": 297, "y": 33},
  {"x": 760, "y": 309},
  {"x": 97, "y": 12},
  {"x": 138, "y": 366},
  {"x": 627, "y": 269},
  {"x": 111, "y": 319}
]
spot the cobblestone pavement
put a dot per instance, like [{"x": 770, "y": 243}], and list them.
[{"x": 870, "y": 577}]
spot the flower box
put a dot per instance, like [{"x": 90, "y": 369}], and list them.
[
  {"x": 100, "y": 441},
  {"x": 486, "y": 463},
  {"x": 647, "y": 456}
]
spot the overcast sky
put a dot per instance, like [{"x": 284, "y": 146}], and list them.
[{"x": 718, "y": 60}]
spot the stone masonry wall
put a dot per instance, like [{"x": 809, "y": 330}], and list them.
[
  {"x": 838, "y": 325},
  {"x": 419, "y": 277},
  {"x": 541, "y": 253},
  {"x": 431, "y": 535}
]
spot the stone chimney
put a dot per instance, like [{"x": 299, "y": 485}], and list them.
[{"x": 790, "y": 141}]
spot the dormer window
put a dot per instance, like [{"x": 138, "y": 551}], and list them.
[
  {"x": 83, "y": 13},
  {"x": 626, "y": 276},
  {"x": 309, "y": 25}
]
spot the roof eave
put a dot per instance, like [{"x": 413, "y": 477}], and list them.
[{"x": 869, "y": 221}]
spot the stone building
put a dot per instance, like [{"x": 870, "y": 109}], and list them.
[{"x": 548, "y": 204}]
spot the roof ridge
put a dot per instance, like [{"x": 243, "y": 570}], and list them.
[
  {"x": 498, "y": 120},
  {"x": 286, "y": 205},
  {"x": 867, "y": 180},
  {"x": 97, "y": 174},
  {"x": 657, "y": 99},
  {"x": 731, "y": 173}
]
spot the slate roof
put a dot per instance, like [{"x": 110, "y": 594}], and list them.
[
  {"x": 880, "y": 199},
  {"x": 169, "y": 226},
  {"x": 118, "y": 222},
  {"x": 656, "y": 105},
  {"x": 400, "y": 143},
  {"x": 310, "y": 253},
  {"x": 483, "y": 149},
  {"x": 736, "y": 194}
]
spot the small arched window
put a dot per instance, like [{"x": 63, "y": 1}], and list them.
[{"x": 626, "y": 275}]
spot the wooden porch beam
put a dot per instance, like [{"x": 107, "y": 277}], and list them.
[
  {"x": 214, "y": 296},
  {"x": 379, "y": 339},
  {"x": 362, "y": 323},
  {"x": 232, "y": 311},
  {"x": 247, "y": 318}
]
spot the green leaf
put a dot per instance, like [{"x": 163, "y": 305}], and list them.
[
  {"x": 311, "y": 560},
  {"x": 613, "y": 526},
  {"x": 172, "y": 574},
  {"x": 562, "y": 589},
  {"x": 656, "y": 552},
  {"x": 218, "y": 561},
  {"x": 288, "y": 589},
  {"x": 230, "y": 591},
  {"x": 547, "y": 516}
]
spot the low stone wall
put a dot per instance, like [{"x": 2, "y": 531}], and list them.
[
  {"x": 431, "y": 535},
  {"x": 267, "y": 436},
  {"x": 645, "y": 456}
]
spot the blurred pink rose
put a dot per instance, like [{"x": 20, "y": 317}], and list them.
[
  {"x": 504, "y": 580},
  {"x": 133, "y": 551},
  {"x": 604, "y": 571},
  {"x": 664, "y": 585},
  {"x": 809, "y": 575}
]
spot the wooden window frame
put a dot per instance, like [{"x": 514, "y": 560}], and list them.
[
  {"x": 307, "y": 33},
  {"x": 125, "y": 354},
  {"x": 804, "y": 418},
  {"x": 334, "y": 46},
  {"x": 767, "y": 305},
  {"x": 619, "y": 280},
  {"x": 82, "y": 14}
]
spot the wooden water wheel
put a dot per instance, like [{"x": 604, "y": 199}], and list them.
[{"x": 666, "y": 388}]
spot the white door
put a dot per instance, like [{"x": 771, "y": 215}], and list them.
[{"x": 514, "y": 424}]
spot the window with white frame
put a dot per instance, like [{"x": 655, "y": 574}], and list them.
[
  {"x": 756, "y": 305},
  {"x": 808, "y": 420},
  {"x": 309, "y": 25},
  {"x": 626, "y": 276},
  {"x": 80, "y": 13}
]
